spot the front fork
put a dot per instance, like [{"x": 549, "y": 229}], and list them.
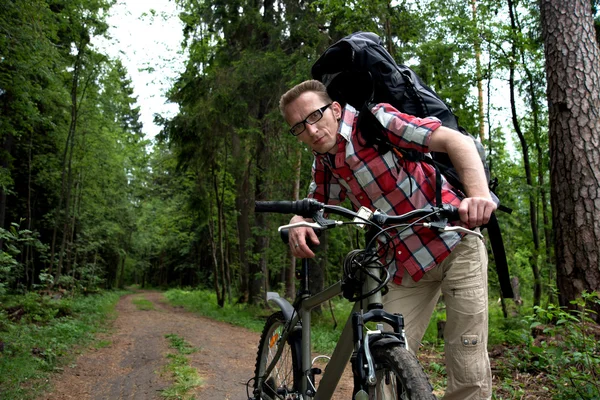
[{"x": 363, "y": 365}]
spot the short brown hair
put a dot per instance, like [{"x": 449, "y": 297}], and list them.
[{"x": 306, "y": 86}]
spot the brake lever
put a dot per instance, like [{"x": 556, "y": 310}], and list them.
[
  {"x": 303, "y": 224},
  {"x": 446, "y": 228},
  {"x": 463, "y": 230},
  {"x": 313, "y": 225}
]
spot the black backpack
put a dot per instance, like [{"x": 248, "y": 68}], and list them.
[{"x": 359, "y": 71}]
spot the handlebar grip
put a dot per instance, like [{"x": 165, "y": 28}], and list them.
[
  {"x": 450, "y": 212},
  {"x": 305, "y": 208}
]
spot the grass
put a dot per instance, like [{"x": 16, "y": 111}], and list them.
[
  {"x": 204, "y": 302},
  {"x": 43, "y": 339},
  {"x": 142, "y": 304},
  {"x": 325, "y": 335},
  {"x": 512, "y": 334},
  {"x": 185, "y": 377},
  {"x": 101, "y": 344}
]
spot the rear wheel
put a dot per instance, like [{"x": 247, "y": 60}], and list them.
[
  {"x": 283, "y": 382},
  {"x": 399, "y": 375}
]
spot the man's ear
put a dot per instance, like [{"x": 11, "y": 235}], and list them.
[{"x": 337, "y": 110}]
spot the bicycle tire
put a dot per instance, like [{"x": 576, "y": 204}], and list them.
[
  {"x": 410, "y": 383},
  {"x": 284, "y": 380}
]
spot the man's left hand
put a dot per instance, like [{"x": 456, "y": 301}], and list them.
[{"x": 476, "y": 211}]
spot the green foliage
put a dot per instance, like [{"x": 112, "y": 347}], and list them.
[
  {"x": 42, "y": 340},
  {"x": 325, "y": 332},
  {"x": 564, "y": 348},
  {"x": 142, "y": 304},
  {"x": 185, "y": 377},
  {"x": 17, "y": 241},
  {"x": 75, "y": 163},
  {"x": 204, "y": 302},
  {"x": 41, "y": 309},
  {"x": 180, "y": 345}
]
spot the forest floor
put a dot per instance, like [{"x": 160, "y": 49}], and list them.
[{"x": 131, "y": 363}]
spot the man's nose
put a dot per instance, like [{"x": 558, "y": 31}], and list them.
[{"x": 311, "y": 129}]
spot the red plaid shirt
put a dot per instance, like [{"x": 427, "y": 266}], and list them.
[{"x": 389, "y": 183}]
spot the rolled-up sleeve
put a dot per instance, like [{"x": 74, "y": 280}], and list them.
[{"x": 405, "y": 130}]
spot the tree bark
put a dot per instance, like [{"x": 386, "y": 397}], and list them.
[
  {"x": 478, "y": 74},
  {"x": 243, "y": 202},
  {"x": 257, "y": 268},
  {"x": 540, "y": 159},
  {"x": 258, "y": 272},
  {"x": 217, "y": 244},
  {"x": 573, "y": 78},
  {"x": 7, "y": 149},
  {"x": 66, "y": 160},
  {"x": 533, "y": 259}
]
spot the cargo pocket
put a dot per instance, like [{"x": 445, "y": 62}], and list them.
[
  {"x": 464, "y": 283},
  {"x": 468, "y": 360}
]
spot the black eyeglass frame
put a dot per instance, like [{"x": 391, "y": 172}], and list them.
[{"x": 306, "y": 120}]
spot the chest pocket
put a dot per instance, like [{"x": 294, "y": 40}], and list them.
[{"x": 377, "y": 175}]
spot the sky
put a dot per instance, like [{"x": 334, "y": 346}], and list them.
[{"x": 146, "y": 35}]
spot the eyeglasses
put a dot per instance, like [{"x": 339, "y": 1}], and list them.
[{"x": 312, "y": 118}]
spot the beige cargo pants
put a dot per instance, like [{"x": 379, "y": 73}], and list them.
[{"x": 462, "y": 278}]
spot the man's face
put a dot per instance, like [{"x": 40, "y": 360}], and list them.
[{"x": 321, "y": 136}]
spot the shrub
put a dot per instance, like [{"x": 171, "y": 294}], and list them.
[{"x": 565, "y": 348}]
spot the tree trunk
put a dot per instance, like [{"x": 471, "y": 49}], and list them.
[
  {"x": 217, "y": 276},
  {"x": 534, "y": 259},
  {"x": 7, "y": 149},
  {"x": 66, "y": 161},
  {"x": 121, "y": 282},
  {"x": 258, "y": 272},
  {"x": 221, "y": 228},
  {"x": 478, "y": 74},
  {"x": 243, "y": 201},
  {"x": 574, "y": 108},
  {"x": 541, "y": 184},
  {"x": 257, "y": 276}
]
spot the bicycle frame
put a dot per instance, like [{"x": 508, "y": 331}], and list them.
[
  {"x": 353, "y": 343},
  {"x": 345, "y": 346}
]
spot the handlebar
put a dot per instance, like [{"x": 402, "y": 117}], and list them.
[
  {"x": 438, "y": 217},
  {"x": 309, "y": 208},
  {"x": 305, "y": 208}
]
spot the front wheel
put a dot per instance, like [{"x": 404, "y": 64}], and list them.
[
  {"x": 283, "y": 382},
  {"x": 399, "y": 375}
]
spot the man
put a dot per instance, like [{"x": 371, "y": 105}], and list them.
[{"x": 426, "y": 262}]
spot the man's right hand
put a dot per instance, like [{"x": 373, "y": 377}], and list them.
[{"x": 299, "y": 238}]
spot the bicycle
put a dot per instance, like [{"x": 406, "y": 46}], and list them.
[{"x": 382, "y": 366}]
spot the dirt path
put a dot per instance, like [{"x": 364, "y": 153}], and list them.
[{"x": 130, "y": 367}]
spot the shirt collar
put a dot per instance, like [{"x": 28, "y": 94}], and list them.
[
  {"x": 347, "y": 122},
  {"x": 345, "y": 126}
]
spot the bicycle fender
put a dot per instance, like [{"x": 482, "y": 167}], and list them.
[
  {"x": 283, "y": 304},
  {"x": 384, "y": 341}
]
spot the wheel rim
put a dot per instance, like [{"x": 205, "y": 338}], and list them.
[
  {"x": 388, "y": 387},
  {"x": 280, "y": 382}
]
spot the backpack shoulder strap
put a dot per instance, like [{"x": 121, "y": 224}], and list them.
[{"x": 499, "y": 257}]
